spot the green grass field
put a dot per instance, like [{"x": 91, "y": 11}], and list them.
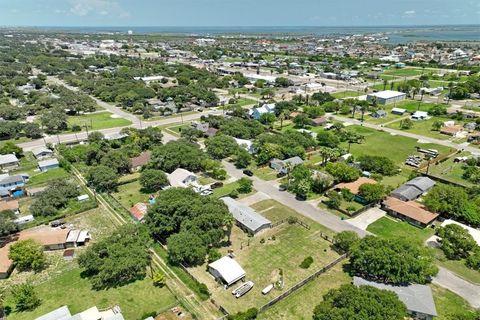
[
  {"x": 347, "y": 94},
  {"x": 284, "y": 249},
  {"x": 406, "y": 72},
  {"x": 129, "y": 194},
  {"x": 395, "y": 147},
  {"x": 97, "y": 121},
  {"x": 228, "y": 188},
  {"x": 391, "y": 228},
  {"x": 449, "y": 305},
  {"x": 450, "y": 170},
  {"x": 44, "y": 177}
]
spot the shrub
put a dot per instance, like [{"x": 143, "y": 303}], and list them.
[
  {"x": 306, "y": 263},
  {"x": 292, "y": 220}
]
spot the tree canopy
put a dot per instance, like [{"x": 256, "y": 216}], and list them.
[
  {"x": 27, "y": 255},
  {"x": 178, "y": 154}
]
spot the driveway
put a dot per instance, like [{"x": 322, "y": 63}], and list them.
[
  {"x": 463, "y": 288},
  {"x": 287, "y": 199},
  {"x": 366, "y": 218},
  {"x": 254, "y": 198}
]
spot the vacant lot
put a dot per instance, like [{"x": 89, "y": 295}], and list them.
[
  {"x": 450, "y": 170},
  {"x": 406, "y": 72},
  {"x": 129, "y": 194},
  {"x": 397, "y": 148},
  {"x": 284, "y": 248},
  {"x": 391, "y": 228},
  {"x": 98, "y": 121}
]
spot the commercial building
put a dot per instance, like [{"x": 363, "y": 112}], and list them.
[
  {"x": 247, "y": 218},
  {"x": 386, "y": 97}
]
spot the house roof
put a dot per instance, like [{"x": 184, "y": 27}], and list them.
[
  {"x": 47, "y": 163},
  {"x": 8, "y": 158},
  {"x": 11, "y": 179},
  {"x": 139, "y": 210},
  {"x": 407, "y": 192},
  {"x": 411, "y": 209},
  {"x": 141, "y": 160},
  {"x": 320, "y": 120},
  {"x": 451, "y": 129},
  {"x": 61, "y": 313},
  {"x": 354, "y": 186},
  {"x": 245, "y": 215},
  {"x": 38, "y": 150},
  {"x": 228, "y": 269},
  {"x": 294, "y": 160},
  {"x": 177, "y": 177},
  {"x": 9, "y": 205},
  {"x": 416, "y": 297},
  {"x": 422, "y": 183}
]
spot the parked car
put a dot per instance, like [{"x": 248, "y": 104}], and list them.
[
  {"x": 282, "y": 187},
  {"x": 248, "y": 173},
  {"x": 57, "y": 223},
  {"x": 216, "y": 185}
]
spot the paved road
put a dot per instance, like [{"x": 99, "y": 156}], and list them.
[
  {"x": 446, "y": 143},
  {"x": 268, "y": 187},
  {"x": 465, "y": 289}
]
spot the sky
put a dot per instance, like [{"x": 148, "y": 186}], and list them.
[{"x": 237, "y": 12}]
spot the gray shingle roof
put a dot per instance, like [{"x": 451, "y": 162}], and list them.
[
  {"x": 422, "y": 183},
  {"x": 407, "y": 192},
  {"x": 11, "y": 179},
  {"x": 47, "y": 163},
  {"x": 416, "y": 297},
  {"x": 245, "y": 215}
]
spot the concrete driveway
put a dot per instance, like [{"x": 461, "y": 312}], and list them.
[
  {"x": 465, "y": 289},
  {"x": 366, "y": 218}
]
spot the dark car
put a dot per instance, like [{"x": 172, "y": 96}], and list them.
[
  {"x": 282, "y": 187},
  {"x": 216, "y": 185},
  {"x": 248, "y": 173},
  {"x": 57, "y": 223}
]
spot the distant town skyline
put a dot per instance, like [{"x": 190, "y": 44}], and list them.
[{"x": 225, "y": 13}]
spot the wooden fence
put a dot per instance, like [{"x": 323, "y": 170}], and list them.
[{"x": 301, "y": 284}]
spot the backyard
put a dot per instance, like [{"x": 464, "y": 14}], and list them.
[{"x": 268, "y": 256}]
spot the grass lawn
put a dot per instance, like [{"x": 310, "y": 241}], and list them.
[
  {"x": 390, "y": 228},
  {"x": 449, "y": 305},
  {"x": 301, "y": 303},
  {"x": 450, "y": 170},
  {"x": 45, "y": 177},
  {"x": 97, "y": 121},
  {"x": 398, "y": 148},
  {"x": 129, "y": 194},
  {"x": 458, "y": 267},
  {"x": 405, "y": 72},
  {"x": 265, "y": 172},
  {"x": 412, "y": 105},
  {"x": 263, "y": 261},
  {"x": 228, "y": 188},
  {"x": 243, "y": 102},
  {"x": 177, "y": 130},
  {"x": 424, "y": 128},
  {"x": 347, "y": 94},
  {"x": 69, "y": 288}
]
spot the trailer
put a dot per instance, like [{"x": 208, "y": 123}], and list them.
[{"x": 243, "y": 289}]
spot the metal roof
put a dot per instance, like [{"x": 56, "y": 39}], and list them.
[
  {"x": 228, "y": 269},
  {"x": 422, "y": 183},
  {"x": 47, "y": 163},
  {"x": 416, "y": 297},
  {"x": 245, "y": 215},
  {"x": 8, "y": 158}
]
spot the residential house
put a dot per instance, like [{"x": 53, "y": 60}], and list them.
[
  {"x": 246, "y": 144},
  {"x": 10, "y": 205},
  {"x": 256, "y": 113},
  {"x": 398, "y": 111},
  {"x": 454, "y": 131},
  {"x": 226, "y": 270},
  {"x": 410, "y": 211},
  {"x": 354, "y": 186},
  {"x": 138, "y": 162},
  {"x": 41, "y": 153},
  {"x": 181, "y": 178},
  {"x": 10, "y": 186},
  {"x": 379, "y": 114},
  {"x": 247, "y": 219},
  {"x": 320, "y": 121},
  {"x": 413, "y": 189},
  {"x": 48, "y": 164},
  {"x": 420, "y": 115},
  {"x": 138, "y": 211},
  {"x": 417, "y": 298},
  {"x": 282, "y": 166},
  {"x": 9, "y": 162}
]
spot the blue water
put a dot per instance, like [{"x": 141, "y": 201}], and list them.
[{"x": 396, "y": 34}]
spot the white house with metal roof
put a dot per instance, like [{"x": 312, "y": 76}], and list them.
[
  {"x": 226, "y": 270},
  {"x": 386, "y": 97},
  {"x": 247, "y": 218}
]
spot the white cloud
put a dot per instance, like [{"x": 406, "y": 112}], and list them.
[
  {"x": 409, "y": 12},
  {"x": 100, "y": 7}
]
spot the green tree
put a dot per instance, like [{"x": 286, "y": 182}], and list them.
[
  {"x": 242, "y": 158},
  {"x": 457, "y": 243},
  {"x": 25, "y": 297},
  {"x": 118, "y": 259},
  {"x": 186, "y": 248},
  {"x": 27, "y": 255},
  {"x": 406, "y": 124},
  {"x": 473, "y": 261},
  {"x": 102, "y": 178},
  {"x": 342, "y": 172},
  {"x": 245, "y": 185},
  {"x": 10, "y": 147},
  {"x": 153, "y": 180},
  {"x": 221, "y": 146},
  {"x": 372, "y": 192},
  {"x": 159, "y": 279},
  {"x": 302, "y": 120},
  {"x": 360, "y": 303},
  {"x": 437, "y": 125},
  {"x": 345, "y": 240},
  {"x": 178, "y": 154},
  {"x": 7, "y": 226},
  {"x": 397, "y": 261}
]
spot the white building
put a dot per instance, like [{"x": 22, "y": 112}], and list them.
[
  {"x": 386, "y": 97},
  {"x": 181, "y": 178},
  {"x": 226, "y": 270}
]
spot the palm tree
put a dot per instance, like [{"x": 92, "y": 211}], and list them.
[
  {"x": 228, "y": 221},
  {"x": 414, "y": 92},
  {"x": 385, "y": 83}
]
